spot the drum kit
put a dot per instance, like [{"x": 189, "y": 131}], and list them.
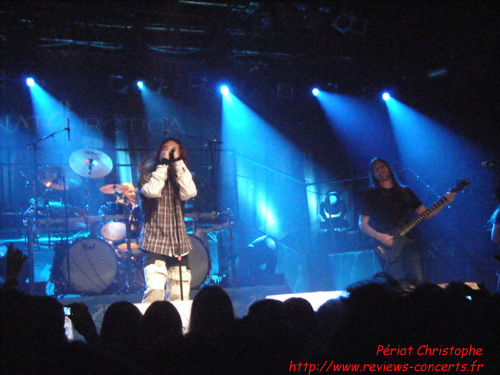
[
  {"x": 91, "y": 262},
  {"x": 103, "y": 256}
]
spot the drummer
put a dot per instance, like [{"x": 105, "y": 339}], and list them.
[
  {"x": 128, "y": 197},
  {"x": 124, "y": 195},
  {"x": 135, "y": 209}
]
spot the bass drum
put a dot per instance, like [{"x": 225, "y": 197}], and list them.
[
  {"x": 199, "y": 262},
  {"x": 90, "y": 265}
]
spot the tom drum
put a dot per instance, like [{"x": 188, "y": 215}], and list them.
[{"x": 114, "y": 231}]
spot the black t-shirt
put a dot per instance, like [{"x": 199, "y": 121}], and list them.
[{"x": 389, "y": 208}]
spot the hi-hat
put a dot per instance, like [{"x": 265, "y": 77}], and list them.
[
  {"x": 90, "y": 163},
  {"x": 58, "y": 178},
  {"x": 112, "y": 188}
]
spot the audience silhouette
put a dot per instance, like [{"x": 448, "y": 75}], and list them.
[{"x": 274, "y": 337}]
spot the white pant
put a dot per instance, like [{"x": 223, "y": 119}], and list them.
[{"x": 157, "y": 275}]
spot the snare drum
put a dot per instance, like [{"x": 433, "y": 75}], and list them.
[
  {"x": 199, "y": 262},
  {"x": 90, "y": 265}
]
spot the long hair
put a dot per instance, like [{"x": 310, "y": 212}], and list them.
[
  {"x": 182, "y": 150},
  {"x": 149, "y": 163},
  {"x": 212, "y": 312},
  {"x": 373, "y": 179}
]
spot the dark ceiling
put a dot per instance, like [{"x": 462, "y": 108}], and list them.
[{"x": 355, "y": 47}]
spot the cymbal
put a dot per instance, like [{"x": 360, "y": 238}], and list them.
[
  {"x": 90, "y": 163},
  {"x": 111, "y": 188},
  {"x": 58, "y": 178}
]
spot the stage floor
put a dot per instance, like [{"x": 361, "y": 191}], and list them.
[{"x": 242, "y": 298}]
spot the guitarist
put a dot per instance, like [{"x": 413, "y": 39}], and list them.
[{"x": 386, "y": 206}]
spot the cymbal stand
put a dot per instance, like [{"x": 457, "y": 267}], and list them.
[
  {"x": 48, "y": 213},
  {"x": 87, "y": 193},
  {"x": 127, "y": 213},
  {"x": 31, "y": 236},
  {"x": 32, "y": 221},
  {"x": 66, "y": 227}
]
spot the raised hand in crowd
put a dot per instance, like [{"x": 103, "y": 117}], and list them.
[
  {"x": 15, "y": 260},
  {"x": 84, "y": 323}
]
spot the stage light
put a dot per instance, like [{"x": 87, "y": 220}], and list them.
[
  {"x": 140, "y": 85},
  {"x": 386, "y": 96},
  {"x": 333, "y": 210},
  {"x": 30, "y": 82},
  {"x": 315, "y": 91},
  {"x": 224, "y": 90},
  {"x": 258, "y": 262}
]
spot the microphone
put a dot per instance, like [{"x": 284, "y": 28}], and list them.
[
  {"x": 489, "y": 164},
  {"x": 68, "y": 129},
  {"x": 172, "y": 152}
]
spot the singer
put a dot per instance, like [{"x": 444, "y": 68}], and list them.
[{"x": 165, "y": 183}]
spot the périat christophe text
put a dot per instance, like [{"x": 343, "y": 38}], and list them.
[{"x": 426, "y": 350}]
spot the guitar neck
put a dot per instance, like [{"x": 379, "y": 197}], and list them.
[
  {"x": 202, "y": 231},
  {"x": 413, "y": 223}
]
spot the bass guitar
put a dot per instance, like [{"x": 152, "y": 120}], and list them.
[{"x": 392, "y": 253}]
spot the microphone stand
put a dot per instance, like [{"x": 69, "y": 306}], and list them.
[
  {"x": 179, "y": 259},
  {"x": 211, "y": 148},
  {"x": 32, "y": 221},
  {"x": 128, "y": 234}
]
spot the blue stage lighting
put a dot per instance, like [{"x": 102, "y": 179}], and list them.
[
  {"x": 140, "y": 85},
  {"x": 386, "y": 96},
  {"x": 315, "y": 91},
  {"x": 30, "y": 82},
  {"x": 224, "y": 90}
]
